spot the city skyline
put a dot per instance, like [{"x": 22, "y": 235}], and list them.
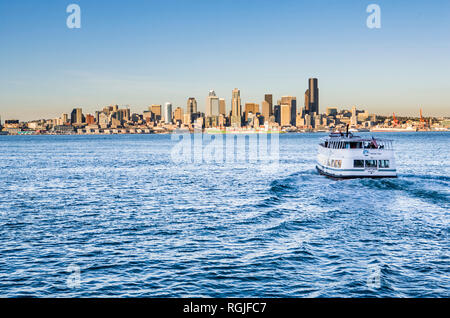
[{"x": 146, "y": 52}]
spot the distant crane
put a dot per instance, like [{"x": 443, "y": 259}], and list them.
[
  {"x": 395, "y": 120},
  {"x": 423, "y": 123}
]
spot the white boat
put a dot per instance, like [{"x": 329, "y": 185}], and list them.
[{"x": 343, "y": 155}]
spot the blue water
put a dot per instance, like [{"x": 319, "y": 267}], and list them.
[{"x": 136, "y": 224}]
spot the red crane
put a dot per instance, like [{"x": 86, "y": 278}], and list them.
[
  {"x": 394, "y": 120},
  {"x": 422, "y": 120}
]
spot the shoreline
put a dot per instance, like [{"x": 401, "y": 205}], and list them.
[{"x": 212, "y": 133}]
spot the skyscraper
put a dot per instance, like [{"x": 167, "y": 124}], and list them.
[
  {"x": 307, "y": 110},
  {"x": 312, "y": 97},
  {"x": 222, "y": 106},
  {"x": 266, "y": 106},
  {"x": 277, "y": 113},
  {"x": 236, "y": 110},
  {"x": 76, "y": 117},
  {"x": 250, "y": 108},
  {"x": 156, "y": 110},
  {"x": 269, "y": 98},
  {"x": 286, "y": 115},
  {"x": 178, "y": 115},
  {"x": 167, "y": 113},
  {"x": 212, "y": 105},
  {"x": 191, "y": 106},
  {"x": 292, "y": 102},
  {"x": 64, "y": 118}
]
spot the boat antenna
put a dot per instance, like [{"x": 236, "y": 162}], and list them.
[{"x": 347, "y": 130}]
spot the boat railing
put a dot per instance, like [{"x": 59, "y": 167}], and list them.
[{"x": 381, "y": 144}]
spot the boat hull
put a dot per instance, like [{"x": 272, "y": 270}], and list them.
[{"x": 355, "y": 175}]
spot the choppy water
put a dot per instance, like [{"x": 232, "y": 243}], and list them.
[{"x": 136, "y": 224}]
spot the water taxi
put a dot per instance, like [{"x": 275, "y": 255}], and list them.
[{"x": 344, "y": 155}]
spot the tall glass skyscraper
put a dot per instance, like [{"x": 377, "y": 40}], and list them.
[
  {"x": 167, "y": 113},
  {"x": 312, "y": 97}
]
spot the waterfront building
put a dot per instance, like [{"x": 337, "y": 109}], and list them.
[
  {"x": 354, "y": 118},
  {"x": 63, "y": 129},
  {"x": 90, "y": 119},
  {"x": 124, "y": 114},
  {"x": 167, "y": 114},
  {"x": 363, "y": 116}
]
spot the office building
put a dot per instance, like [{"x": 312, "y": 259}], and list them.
[
  {"x": 90, "y": 119},
  {"x": 285, "y": 112},
  {"x": 250, "y": 108},
  {"x": 157, "y": 113},
  {"x": 167, "y": 113},
  {"x": 222, "y": 106},
  {"x": 212, "y": 104},
  {"x": 76, "y": 117},
  {"x": 292, "y": 102},
  {"x": 236, "y": 110},
  {"x": 277, "y": 114},
  {"x": 331, "y": 111},
  {"x": 178, "y": 115},
  {"x": 312, "y": 97},
  {"x": 191, "y": 106}
]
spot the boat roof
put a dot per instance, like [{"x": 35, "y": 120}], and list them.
[{"x": 351, "y": 137}]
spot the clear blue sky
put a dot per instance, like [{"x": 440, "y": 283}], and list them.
[{"x": 139, "y": 52}]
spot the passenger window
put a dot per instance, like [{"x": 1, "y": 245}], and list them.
[
  {"x": 371, "y": 163},
  {"x": 383, "y": 163},
  {"x": 358, "y": 163}
]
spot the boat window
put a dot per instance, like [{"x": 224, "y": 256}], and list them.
[
  {"x": 371, "y": 163},
  {"x": 358, "y": 163},
  {"x": 383, "y": 163},
  {"x": 355, "y": 145},
  {"x": 326, "y": 144}
]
